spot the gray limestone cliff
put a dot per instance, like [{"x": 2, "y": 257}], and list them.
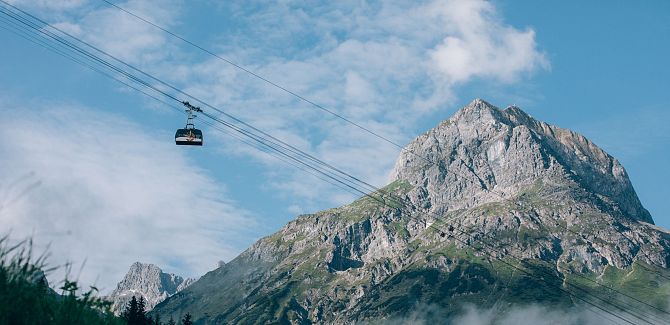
[
  {"x": 148, "y": 281},
  {"x": 491, "y": 208}
]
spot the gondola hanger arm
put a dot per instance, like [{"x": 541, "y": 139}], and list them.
[{"x": 191, "y": 107}]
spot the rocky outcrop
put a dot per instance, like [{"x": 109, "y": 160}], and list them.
[
  {"x": 147, "y": 281},
  {"x": 485, "y": 189}
]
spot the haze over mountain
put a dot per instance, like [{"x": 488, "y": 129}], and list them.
[{"x": 497, "y": 210}]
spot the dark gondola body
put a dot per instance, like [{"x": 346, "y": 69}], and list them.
[{"x": 188, "y": 137}]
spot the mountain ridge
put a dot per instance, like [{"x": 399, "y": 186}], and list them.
[{"x": 552, "y": 201}]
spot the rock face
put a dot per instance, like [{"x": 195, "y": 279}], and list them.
[
  {"x": 148, "y": 281},
  {"x": 491, "y": 208}
]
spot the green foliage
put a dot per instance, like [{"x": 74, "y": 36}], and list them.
[{"x": 25, "y": 297}]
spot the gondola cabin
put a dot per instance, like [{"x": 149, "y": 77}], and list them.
[{"x": 188, "y": 137}]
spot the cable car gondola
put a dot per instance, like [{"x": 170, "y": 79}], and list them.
[{"x": 189, "y": 136}]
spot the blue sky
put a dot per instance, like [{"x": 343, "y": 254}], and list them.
[{"x": 107, "y": 175}]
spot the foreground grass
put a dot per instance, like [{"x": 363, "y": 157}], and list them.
[{"x": 25, "y": 297}]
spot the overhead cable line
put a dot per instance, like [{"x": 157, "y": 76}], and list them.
[
  {"x": 275, "y": 141},
  {"x": 273, "y": 138},
  {"x": 258, "y": 76},
  {"x": 37, "y": 28},
  {"x": 286, "y": 90},
  {"x": 48, "y": 46},
  {"x": 382, "y": 202},
  {"x": 289, "y": 147}
]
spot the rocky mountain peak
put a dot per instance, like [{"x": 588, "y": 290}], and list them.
[
  {"x": 478, "y": 111},
  {"x": 483, "y": 154},
  {"x": 148, "y": 281}
]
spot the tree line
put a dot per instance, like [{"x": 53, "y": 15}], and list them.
[{"x": 135, "y": 314}]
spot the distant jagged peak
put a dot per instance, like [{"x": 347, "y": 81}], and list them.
[
  {"x": 148, "y": 281},
  {"x": 139, "y": 267}
]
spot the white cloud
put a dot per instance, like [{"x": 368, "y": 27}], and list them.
[
  {"x": 111, "y": 193},
  {"x": 125, "y": 36},
  {"x": 479, "y": 44},
  {"x": 112, "y": 30}
]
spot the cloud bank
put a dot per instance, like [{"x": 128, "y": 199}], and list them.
[
  {"x": 533, "y": 314},
  {"x": 101, "y": 190}
]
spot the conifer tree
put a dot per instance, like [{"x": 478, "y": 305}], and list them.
[
  {"x": 131, "y": 312},
  {"x": 142, "y": 313},
  {"x": 187, "y": 320},
  {"x": 157, "y": 320},
  {"x": 135, "y": 313},
  {"x": 171, "y": 321}
]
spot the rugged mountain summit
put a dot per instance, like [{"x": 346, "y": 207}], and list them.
[
  {"x": 490, "y": 154},
  {"x": 484, "y": 190},
  {"x": 148, "y": 281}
]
